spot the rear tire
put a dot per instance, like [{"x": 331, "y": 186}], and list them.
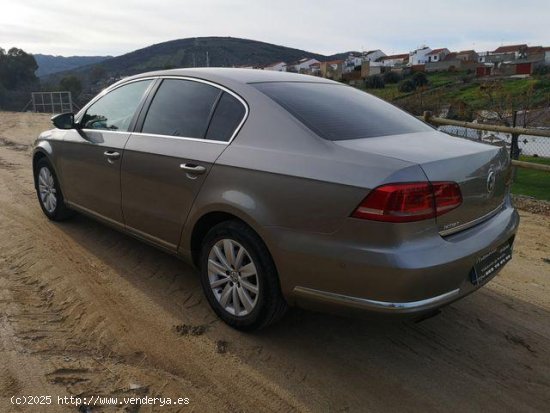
[
  {"x": 239, "y": 277},
  {"x": 49, "y": 192}
]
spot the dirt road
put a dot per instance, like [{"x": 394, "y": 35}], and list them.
[{"x": 85, "y": 310}]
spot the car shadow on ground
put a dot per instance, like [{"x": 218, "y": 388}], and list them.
[{"x": 488, "y": 349}]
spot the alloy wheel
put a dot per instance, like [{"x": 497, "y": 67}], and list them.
[
  {"x": 46, "y": 189},
  {"x": 233, "y": 277}
]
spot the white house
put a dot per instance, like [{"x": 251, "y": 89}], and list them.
[
  {"x": 394, "y": 60},
  {"x": 419, "y": 56},
  {"x": 516, "y": 50},
  {"x": 315, "y": 69},
  {"x": 354, "y": 59},
  {"x": 276, "y": 66},
  {"x": 373, "y": 55},
  {"x": 482, "y": 57},
  {"x": 437, "y": 55},
  {"x": 301, "y": 65}
]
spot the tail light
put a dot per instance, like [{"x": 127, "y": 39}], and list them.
[{"x": 407, "y": 202}]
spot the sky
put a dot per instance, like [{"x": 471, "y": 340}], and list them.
[{"x": 115, "y": 27}]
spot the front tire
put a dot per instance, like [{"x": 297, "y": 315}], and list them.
[
  {"x": 239, "y": 277},
  {"x": 49, "y": 192}
]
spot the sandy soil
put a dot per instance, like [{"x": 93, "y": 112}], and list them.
[{"x": 85, "y": 310}]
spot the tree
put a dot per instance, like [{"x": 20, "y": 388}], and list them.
[
  {"x": 374, "y": 82},
  {"x": 17, "y": 68},
  {"x": 420, "y": 79},
  {"x": 3, "y": 93},
  {"x": 17, "y": 78},
  {"x": 97, "y": 73},
  {"x": 500, "y": 105},
  {"x": 72, "y": 84}
]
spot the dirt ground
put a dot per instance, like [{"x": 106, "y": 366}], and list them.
[{"x": 85, "y": 311}]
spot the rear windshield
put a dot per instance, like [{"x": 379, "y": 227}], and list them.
[{"x": 337, "y": 112}]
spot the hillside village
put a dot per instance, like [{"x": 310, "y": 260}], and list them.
[
  {"x": 465, "y": 84},
  {"x": 484, "y": 86},
  {"x": 510, "y": 60}
]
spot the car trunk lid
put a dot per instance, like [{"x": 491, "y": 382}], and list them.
[{"x": 480, "y": 170}]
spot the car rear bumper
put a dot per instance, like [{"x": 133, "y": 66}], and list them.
[
  {"x": 335, "y": 272},
  {"x": 377, "y": 306}
]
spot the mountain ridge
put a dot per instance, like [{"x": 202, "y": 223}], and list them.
[
  {"x": 192, "y": 52},
  {"x": 49, "y": 64}
]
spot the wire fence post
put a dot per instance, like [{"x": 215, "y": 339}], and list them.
[
  {"x": 514, "y": 146},
  {"x": 514, "y": 132}
]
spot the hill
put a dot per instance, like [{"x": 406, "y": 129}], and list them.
[
  {"x": 192, "y": 52},
  {"x": 461, "y": 95},
  {"x": 48, "y": 64}
]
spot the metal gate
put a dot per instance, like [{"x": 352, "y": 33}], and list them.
[{"x": 52, "y": 102}]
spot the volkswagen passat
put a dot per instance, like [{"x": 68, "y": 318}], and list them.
[{"x": 284, "y": 189}]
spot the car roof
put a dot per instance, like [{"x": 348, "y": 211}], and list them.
[{"x": 235, "y": 75}]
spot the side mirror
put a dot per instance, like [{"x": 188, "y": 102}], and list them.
[{"x": 64, "y": 121}]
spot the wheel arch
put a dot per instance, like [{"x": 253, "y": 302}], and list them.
[
  {"x": 38, "y": 155},
  {"x": 208, "y": 220},
  {"x": 44, "y": 151}
]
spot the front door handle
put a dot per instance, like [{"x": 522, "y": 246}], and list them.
[
  {"x": 193, "y": 168},
  {"x": 112, "y": 154}
]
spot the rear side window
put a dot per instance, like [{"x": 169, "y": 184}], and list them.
[
  {"x": 337, "y": 112},
  {"x": 115, "y": 110},
  {"x": 181, "y": 108},
  {"x": 228, "y": 115}
]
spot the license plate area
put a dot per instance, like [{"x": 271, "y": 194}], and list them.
[{"x": 491, "y": 262}]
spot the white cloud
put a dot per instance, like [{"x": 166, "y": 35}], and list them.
[{"x": 116, "y": 27}]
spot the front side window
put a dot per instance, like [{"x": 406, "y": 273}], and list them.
[
  {"x": 115, "y": 110},
  {"x": 181, "y": 108},
  {"x": 337, "y": 112}
]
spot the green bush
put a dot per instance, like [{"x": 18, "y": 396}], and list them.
[
  {"x": 406, "y": 86},
  {"x": 72, "y": 84},
  {"x": 541, "y": 70},
  {"x": 542, "y": 84},
  {"x": 374, "y": 82},
  {"x": 392, "y": 77},
  {"x": 419, "y": 79},
  {"x": 467, "y": 78}
]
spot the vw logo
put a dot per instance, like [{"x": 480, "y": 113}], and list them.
[{"x": 491, "y": 181}]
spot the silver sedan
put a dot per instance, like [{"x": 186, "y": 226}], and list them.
[{"x": 284, "y": 189}]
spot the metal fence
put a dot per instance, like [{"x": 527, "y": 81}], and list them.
[
  {"x": 534, "y": 142},
  {"x": 52, "y": 102},
  {"x": 527, "y": 144}
]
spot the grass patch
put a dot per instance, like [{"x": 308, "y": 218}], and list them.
[
  {"x": 450, "y": 88},
  {"x": 532, "y": 183},
  {"x": 388, "y": 93},
  {"x": 468, "y": 93},
  {"x": 444, "y": 78}
]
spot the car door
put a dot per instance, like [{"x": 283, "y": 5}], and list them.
[
  {"x": 186, "y": 127},
  {"x": 91, "y": 154}
]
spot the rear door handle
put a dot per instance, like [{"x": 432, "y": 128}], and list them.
[
  {"x": 193, "y": 168},
  {"x": 112, "y": 154}
]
